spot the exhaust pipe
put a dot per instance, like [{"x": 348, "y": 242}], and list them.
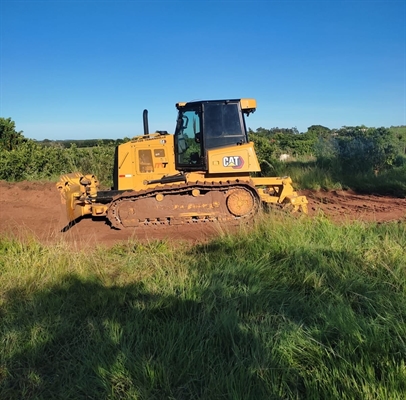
[{"x": 145, "y": 120}]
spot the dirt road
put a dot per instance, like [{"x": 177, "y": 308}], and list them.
[{"x": 29, "y": 209}]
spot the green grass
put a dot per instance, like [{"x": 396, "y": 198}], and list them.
[
  {"x": 292, "y": 309},
  {"x": 307, "y": 174}
]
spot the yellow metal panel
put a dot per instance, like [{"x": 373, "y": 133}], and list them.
[
  {"x": 233, "y": 159},
  {"x": 132, "y": 174},
  {"x": 180, "y": 105},
  {"x": 248, "y": 104},
  {"x": 270, "y": 181}
]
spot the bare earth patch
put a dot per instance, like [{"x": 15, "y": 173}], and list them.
[
  {"x": 340, "y": 205},
  {"x": 33, "y": 209}
]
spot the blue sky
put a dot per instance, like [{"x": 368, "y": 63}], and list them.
[{"x": 87, "y": 69}]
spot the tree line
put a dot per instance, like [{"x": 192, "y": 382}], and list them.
[
  {"x": 352, "y": 148},
  {"x": 357, "y": 149}
]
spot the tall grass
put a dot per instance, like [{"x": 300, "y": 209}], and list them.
[
  {"x": 322, "y": 175},
  {"x": 289, "y": 309}
]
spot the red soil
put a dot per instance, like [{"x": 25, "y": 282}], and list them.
[{"x": 33, "y": 209}]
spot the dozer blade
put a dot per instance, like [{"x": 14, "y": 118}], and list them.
[{"x": 78, "y": 193}]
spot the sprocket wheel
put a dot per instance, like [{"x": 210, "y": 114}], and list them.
[{"x": 240, "y": 202}]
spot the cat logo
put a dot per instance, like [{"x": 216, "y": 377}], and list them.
[{"x": 235, "y": 162}]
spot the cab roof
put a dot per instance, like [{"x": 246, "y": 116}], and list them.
[{"x": 247, "y": 105}]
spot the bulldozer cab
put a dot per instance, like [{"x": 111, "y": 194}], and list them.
[{"x": 206, "y": 125}]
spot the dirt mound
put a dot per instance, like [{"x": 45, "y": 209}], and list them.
[{"x": 34, "y": 209}]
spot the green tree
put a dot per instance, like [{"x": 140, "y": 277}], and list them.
[
  {"x": 399, "y": 133},
  {"x": 366, "y": 149},
  {"x": 319, "y": 131},
  {"x": 9, "y": 137}
]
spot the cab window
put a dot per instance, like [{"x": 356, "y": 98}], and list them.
[
  {"x": 188, "y": 138},
  {"x": 145, "y": 161},
  {"x": 223, "y": 125}
]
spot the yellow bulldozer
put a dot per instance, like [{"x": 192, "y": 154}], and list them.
[{"x": 201, "y": 173}]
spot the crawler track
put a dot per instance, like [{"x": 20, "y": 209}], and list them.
[{"x": 189, "y": 203}]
